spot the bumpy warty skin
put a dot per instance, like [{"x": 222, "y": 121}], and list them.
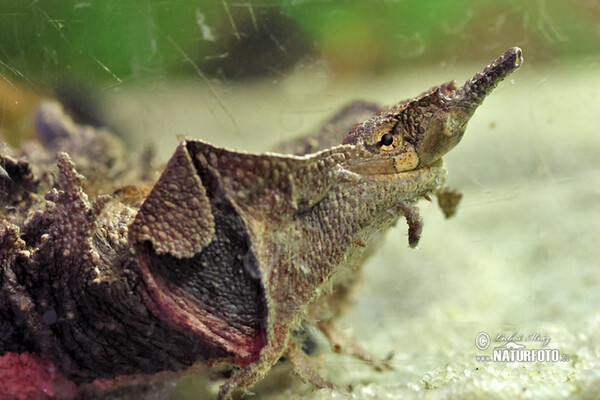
[
  {"x": 309, "y": 215},
  {"x": 228, "y": 253},
  {"x": 83, "y": 307}
]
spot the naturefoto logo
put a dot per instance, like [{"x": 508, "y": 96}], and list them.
[{"x": 511, "y": 348}]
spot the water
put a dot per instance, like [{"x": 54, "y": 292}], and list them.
[{"x": 519, "y": 256}]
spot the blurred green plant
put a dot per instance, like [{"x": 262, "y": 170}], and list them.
[{"x": 114, "y": 40}]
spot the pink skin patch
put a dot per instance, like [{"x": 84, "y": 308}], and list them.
[
  {"x": 185, "y": 315},
  {"x": 28, "y": 376}
]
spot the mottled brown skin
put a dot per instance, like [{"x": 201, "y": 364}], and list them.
[
  {"x": 230, "y": 251},
  {"x": 448, "y": 200}
]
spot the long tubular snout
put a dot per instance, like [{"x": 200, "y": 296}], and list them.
[{"x": 482, "y": 84}]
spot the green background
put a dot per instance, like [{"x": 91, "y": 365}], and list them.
[{"x": 123, "y": 41}]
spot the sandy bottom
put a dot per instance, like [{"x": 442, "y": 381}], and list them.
[{"x": 520, "y": 257}]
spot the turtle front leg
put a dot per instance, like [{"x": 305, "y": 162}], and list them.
[
  {"x": 245, "y": 378},
  {"x": 303, "y": 367},
  {"x": 343, "y": 342}
]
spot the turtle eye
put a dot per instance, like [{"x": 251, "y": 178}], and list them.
[{"x": 386, "y": 140}]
